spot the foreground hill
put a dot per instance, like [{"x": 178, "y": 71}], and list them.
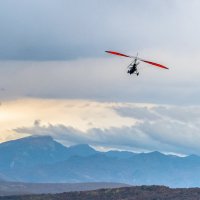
[
  {"x": 128, "y": 193},
  {"x": 43, "y": 160}
]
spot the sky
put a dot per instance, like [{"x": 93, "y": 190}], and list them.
[{"x": 56, "y": 79}]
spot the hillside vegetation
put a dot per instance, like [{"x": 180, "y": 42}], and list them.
[{"x": 127, "y": 193}]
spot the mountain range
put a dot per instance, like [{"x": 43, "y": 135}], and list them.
[{"x": 40, "y": 159}]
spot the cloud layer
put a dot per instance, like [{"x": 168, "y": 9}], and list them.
[
  {"x": 103, "y": 79},
  {"x": 63, "y": 30},
  {"x": 169, "y": 129}
]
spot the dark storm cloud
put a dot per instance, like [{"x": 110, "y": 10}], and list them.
[{"x": 61, "y": 30}]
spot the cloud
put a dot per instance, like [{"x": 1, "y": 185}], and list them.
[
  {"x": 168, "y": 138},
  {"x": 61, "y": 30},
  {"x": 159, "y": 129},
  {"x": 79, "y": 114},
  {"x": 152, "y": 113},
  {"x": 121, "y": 138},
  {"x": 103, "y": 79},
  {"x": 141, "y": 113}
]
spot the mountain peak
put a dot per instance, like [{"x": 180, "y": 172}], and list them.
[
  {"x": 31, "y": 150},
  {"x": 33, "y": 142},
  {"x": 37, "y": 138},
  {"x": 32, "y": 138},
  {"x": 47, "y": 137}
]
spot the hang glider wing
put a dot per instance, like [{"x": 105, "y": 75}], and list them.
[
  {"x": 155, "y": 64},
  {"x": 146, "y": 61},
  {"x": 118, "y": 54}
]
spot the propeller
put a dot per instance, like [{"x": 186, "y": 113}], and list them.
[{"x": 146, "y": 61}]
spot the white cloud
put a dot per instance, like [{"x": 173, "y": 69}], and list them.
[{"x": 79, "y": 114}]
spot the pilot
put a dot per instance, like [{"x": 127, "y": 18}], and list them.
[{"x": 132, "y": 69}]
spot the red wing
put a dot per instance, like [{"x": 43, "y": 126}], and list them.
[
  {"x": 155, "y": 64},
  {"x": 117, "y": 53},
  {"x": 146, "y": 61}
]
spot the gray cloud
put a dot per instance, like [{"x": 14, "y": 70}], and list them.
[
  {"x": 179, "y": 114},
  {"x": 101, "y": 79},
  {"x": 141, "y": 113},
  {"x": 62, "y": 30}
]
